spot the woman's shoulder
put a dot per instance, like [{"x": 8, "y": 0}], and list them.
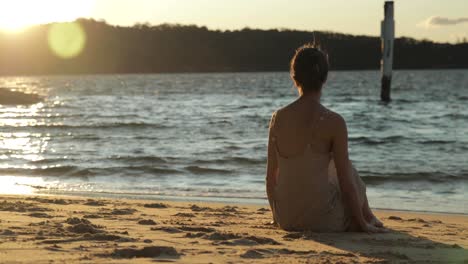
[
  {"x": 326, "y": 115},
  {"x": 279, "y": 114},
  {"x": 283, "y": 110},
  {"x": 331, "y": 116},
  {"x": 274, "y": 117},
  {"x": 286, "y": 109}
]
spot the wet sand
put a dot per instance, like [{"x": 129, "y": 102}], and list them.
[{"x": 52, "y": 229}]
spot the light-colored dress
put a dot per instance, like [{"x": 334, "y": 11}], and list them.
[{"x": 307, "y": 194}]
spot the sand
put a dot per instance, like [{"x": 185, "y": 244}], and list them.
[{"x": 52, "y": 229}]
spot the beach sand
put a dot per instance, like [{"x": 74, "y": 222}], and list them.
[{"x": 52, "y": 229}]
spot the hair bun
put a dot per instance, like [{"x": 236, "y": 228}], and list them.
[{"x": 309, "y": 67}]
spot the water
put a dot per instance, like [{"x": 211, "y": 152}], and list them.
[{"x": 204, "y": 136}]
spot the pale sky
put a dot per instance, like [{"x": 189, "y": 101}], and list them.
[{"x": 438, "y": 20}]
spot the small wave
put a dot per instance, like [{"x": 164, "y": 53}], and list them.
[
  {"x": 71, "y": 171},
  {"x": 366, "y": 140},
  {"x": 88, "y": 138},
  {"x": 138, "y": 159},
  {"x": 123, "y": 159},
  {"x": 94, "y": 126},
  {"x": 405, "y": 100},
  {"x": 435, "y": 142},
  {"x": 203, "y": 170},
  {"x": 392, "y": 138},
  {"x": 452, "y": 116},
  {"x": 153, "y": 170},
  {"x": 233, "y": 147},
  {"x": 219, "y": 138},
  {"x": 248, "y": 161},
  {"x": 80, "y": 172},
  {"x": 235, "y": 160},
  {"x": 51, "y": 161},
  {"x": 434, "y": 177},
  {"x": 376, "y": 141},
  {"x": 220, "y": 122}
]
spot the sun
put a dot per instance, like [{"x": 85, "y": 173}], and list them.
[{"x": 16, "y": 15}]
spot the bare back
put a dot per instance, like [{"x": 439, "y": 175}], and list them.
[
  {"x": 306, "y": 195},
  {"x": 304, "y": 123}
]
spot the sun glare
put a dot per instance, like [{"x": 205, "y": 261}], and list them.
[{"x": 16, "y": 15}]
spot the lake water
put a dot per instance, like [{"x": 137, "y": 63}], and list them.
[{"x": 204, "y": 136}]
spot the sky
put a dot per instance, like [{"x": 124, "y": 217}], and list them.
[{"x": 437, "y": 20}]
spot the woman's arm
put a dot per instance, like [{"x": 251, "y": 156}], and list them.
[
  {"x": 344, "y": 170},
  {"x": 272, "y": 163}
]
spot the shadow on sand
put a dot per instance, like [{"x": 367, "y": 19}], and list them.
[{"x": 392, "y": 247}]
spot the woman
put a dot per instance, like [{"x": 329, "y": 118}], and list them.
[{"x": 311, "y": 184}]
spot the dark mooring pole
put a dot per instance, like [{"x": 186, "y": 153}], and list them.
[{"x": 388, "y": 35}]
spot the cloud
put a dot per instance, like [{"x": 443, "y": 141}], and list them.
[{"x": 435, "y": 21}]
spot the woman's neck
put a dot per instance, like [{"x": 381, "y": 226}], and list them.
[{"x": 311, "y": 96}]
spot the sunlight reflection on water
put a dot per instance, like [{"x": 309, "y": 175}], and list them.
[
  {"x": 205, "y": 135},
  {"x": 20, "y": 147},
  {"x": 19, "y": 185}
]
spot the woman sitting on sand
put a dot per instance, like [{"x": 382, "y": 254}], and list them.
[{"x": 311, "y": 183}]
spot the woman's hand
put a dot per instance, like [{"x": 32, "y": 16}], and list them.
[
  {"x": 376, "y": 222},
  {"x": 371, "y": 228}
]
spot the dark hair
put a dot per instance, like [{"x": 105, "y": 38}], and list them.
[{"x": 309, "y": 67}]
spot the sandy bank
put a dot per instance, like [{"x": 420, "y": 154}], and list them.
[{"x": 70, "y": 230}]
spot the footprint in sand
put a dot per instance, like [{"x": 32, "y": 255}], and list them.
[
  {"x": 21, "y": 207},
  {"x": 232, "y": 239},
  {"x": 55, "y": 248},
  {"x": 197, "y": 208},
  {"x": 92, "y": 216},
  {"x": 257, "y": 253},
  {"x": 40, "y": 215},
  {"x": 184, "y": 215},
  {"x": 7, "y": 232},
  {"x": 156, "y": 205},
  {"x": 49, "y": 201},
  {"x": 167, "y": 229},
  {"x": 146, "y": 222},
  {"x": 146, "y": 252},
  {"x": 82, "y": 226},
  {"x": 123, "y": 211},
  {"x": 197, "y": 229},
  {"x": 254, "y": 254},
  {"x": 231, "y": 209},
  {"x": 91, "y": 202},
  {"x": 419, "y": 220}
]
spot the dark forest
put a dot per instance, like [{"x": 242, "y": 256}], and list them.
[{"x": 145, "y": 48}]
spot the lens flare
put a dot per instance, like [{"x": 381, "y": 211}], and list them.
[{"x": 67, "y": 40}]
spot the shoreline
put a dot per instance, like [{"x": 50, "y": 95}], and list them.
[
  {"x": 196, "y": 199},
  {"x": 45, "y": 228}
]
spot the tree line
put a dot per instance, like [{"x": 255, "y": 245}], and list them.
[{"x": 145, "y": 48}]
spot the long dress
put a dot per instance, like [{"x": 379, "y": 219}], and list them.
[{"x": 307, "y": 195}]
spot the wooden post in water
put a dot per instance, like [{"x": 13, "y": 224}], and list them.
[{"x": 388, "y": 35}]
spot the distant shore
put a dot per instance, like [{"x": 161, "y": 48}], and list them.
[
  {"x": 105, "y": 48},
  {"x": 215, "y": 72},
  {"x": 40, "y": 229}
]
